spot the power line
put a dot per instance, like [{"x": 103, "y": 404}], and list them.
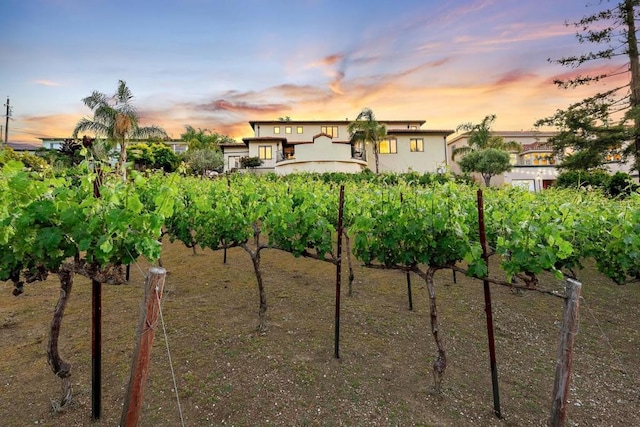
[{"x": 6, "y": 124}]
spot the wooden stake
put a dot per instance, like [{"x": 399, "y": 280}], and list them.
[
  {"x": 565, "y": 353},
  {"x": 142, "y": 354}
]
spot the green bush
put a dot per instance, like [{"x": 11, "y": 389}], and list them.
[
  {"x": 618, "y": 185},
  {"x": 250, "y": 162},
  {"x": 156, "y": 155},
  {"x": 621, "y": 185},
  {"x": 30, "y": 161},
  {"x": 584, "y": 179}
]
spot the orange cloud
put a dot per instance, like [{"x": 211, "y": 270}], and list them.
[
  {"x": 327, "y": 61},
  {"x": 30, "y": 128},
  {"x": 513, "y": 77}
]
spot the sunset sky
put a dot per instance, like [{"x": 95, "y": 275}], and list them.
[{"x": 217, "y": 64}]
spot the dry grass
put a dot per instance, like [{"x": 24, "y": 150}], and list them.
[{"x": 228, "y": 374}]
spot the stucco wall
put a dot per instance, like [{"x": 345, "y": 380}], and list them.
[
  {"x": 323, "y": 148},
  {"x": 429, "y": 160},
  {"x": 292, "y": 166}
]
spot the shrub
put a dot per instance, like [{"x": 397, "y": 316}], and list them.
[
  {"x": 251, "y": 162},
  {"x": 583, "y": 179},
  {"x": 621, "y": 185}
]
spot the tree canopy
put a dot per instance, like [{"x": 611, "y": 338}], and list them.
[
  {"x": 482, "y": 137},
  {"x": 203, "y": 138},
  {"x": 607, "y": 122},
  {"x": 156, "y": 155},
  {"x": 485, "y": 152},
  {"x": 201, "y": 162},
  {"x": 489, "y": 162}
]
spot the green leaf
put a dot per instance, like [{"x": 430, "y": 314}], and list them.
[
  {"x": 106, "y": 246},
  {"x": 134, "y": 204}
]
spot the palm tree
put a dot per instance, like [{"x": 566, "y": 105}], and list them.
[
  {"x": 481, "y": 137},
  {"x": 368, "y": 130},
  {"x": 116, "y": 120}
]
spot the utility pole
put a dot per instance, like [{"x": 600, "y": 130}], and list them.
[{"x": 6, "y": 123}]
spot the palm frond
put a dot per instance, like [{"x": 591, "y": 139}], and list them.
[
  {"x": 123, "y": 94},
  {"x": 149, "y": 132},
  {"x": 87, "y": 125},
  {"x": 95, "y": 99},
  {"x": 461, "y": 151}
]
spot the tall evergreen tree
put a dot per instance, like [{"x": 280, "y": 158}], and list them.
[{"x": 587, "y": 128}]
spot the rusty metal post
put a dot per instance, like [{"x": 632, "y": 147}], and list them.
[{"x": 488, "y": 310}]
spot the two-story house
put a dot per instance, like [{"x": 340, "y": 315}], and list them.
[
  {"x": 287, "y": 146},
  {"x": 534, "y": 167}
]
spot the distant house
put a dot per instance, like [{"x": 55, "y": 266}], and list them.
[
  {"x": 287, "y": 146},
  {"x": 177, "y": 145},
  {"x": 29, "y": 147},
  {"x": 534, "y": 167}
]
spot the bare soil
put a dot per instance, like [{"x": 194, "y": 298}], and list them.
[{"x": 227, "y": 373}]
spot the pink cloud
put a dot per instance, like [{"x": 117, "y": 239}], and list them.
[{"x": 46, "y": 83}]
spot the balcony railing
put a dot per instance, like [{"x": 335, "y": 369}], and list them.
[{"x": 355, "y": 155}]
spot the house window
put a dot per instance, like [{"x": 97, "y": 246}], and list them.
[
  {"x": 416, "y": 145},
  {"x": 388, "y": 146},
  {"x": 276, "y": 129},
  {"x": 287, "y": 129},
  {"x": 545, "y": 159},
  {"x": 300, "y": 130},
  {"x": 264, "y": 152},
  {"x": 332, "y": 131},
  {"x": 234, "y": 162},
  {"x": 289, "y": 152},
  {"x": 613, "y": 156}
]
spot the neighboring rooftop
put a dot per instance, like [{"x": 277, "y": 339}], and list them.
[{"x": 23, "y": 145}]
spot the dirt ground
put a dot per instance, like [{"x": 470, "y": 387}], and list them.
[{"x": 229, "y": 374}]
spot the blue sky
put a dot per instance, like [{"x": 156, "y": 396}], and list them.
[{"x": 217, "y": 64}]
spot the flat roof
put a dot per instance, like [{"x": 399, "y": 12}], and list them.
[
  {"x": 253, "y": 123},
  {"x": 509, "y": 134}
]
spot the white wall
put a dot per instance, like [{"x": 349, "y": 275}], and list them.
[
  {"x": 323, "y": 148},
  {"x": 430, "y": 160},
  {"x": 240, "y": 151},
  {"x": 323, "y": 155}
]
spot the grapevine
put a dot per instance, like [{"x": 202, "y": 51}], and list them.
[{"x": 51, "y": 224}]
